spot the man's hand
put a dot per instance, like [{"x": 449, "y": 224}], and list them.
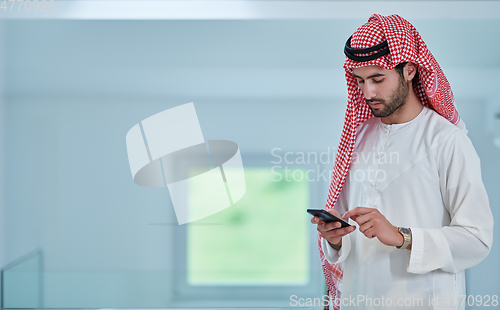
[
  {"x": 332, "y": 231},
  {"x": 373, "y": 224}
]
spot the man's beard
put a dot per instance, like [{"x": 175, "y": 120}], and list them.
[{"x": 397, "y": 100}]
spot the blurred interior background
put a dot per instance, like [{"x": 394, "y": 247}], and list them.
[{"x": 75, "y": 230}]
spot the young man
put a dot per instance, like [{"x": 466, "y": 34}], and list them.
[{"x": 407, "y": 174}]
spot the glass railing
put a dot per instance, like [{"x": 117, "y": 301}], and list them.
[{"x": 22, "y": 282}]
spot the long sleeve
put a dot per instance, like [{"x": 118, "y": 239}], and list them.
[
  {"x": 468, "y": 238},
  {"x": 334, "y": 256}
]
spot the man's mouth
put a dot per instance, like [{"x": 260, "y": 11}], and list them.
[{"x": 375, "y": 105}]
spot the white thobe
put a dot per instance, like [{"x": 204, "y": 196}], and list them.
[{"x": 424, "y": 175}]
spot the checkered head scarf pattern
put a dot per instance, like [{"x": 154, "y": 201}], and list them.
[{"x": 432, "y": 88}]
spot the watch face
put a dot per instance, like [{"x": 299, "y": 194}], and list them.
[{"x": 405, "y": 231}]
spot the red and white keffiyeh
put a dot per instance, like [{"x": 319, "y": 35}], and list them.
[{"x": 432, "y": 88}]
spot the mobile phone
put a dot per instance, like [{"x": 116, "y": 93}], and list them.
[{"x": 327, "y": 217}]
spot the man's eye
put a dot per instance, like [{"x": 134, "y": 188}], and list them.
[
  {"x": 378, "y": 81},
  {"x": 360, "y": 81}
]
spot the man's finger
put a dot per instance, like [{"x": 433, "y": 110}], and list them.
[
  {"x": 366, "y": 226},
  {"x": 337, "y": 232},
  {"x": 332, "y": 225},
  {"x": 329, "y": 227},
  {"x": 316, "y": 220},
  {"x": 369, "y": 233},
  {"x": 357, "y": 211},
  {"x": 334, "y": 212},
  {"x": 361, "y": 219}
]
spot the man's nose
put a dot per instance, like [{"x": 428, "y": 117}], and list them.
[{"x": 370, "y": 91}]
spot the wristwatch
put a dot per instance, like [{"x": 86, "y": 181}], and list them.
[{"x": 406, "y": 235}]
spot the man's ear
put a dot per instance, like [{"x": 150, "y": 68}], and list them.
[{"x": 409, "y": 71}]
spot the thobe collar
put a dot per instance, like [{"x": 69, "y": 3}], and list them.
[{"x": 393, "y": 127}]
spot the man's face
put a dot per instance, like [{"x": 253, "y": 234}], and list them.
[{"x": 385, "y": 90}]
